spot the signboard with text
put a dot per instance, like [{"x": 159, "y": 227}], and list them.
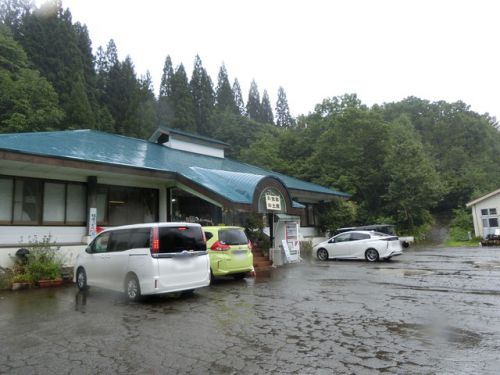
[
  {"x": 92, "y": 222},
  {"x": 273, "y": 202}
]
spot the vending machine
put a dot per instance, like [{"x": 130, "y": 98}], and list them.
[{"x": 286, "y": 236}]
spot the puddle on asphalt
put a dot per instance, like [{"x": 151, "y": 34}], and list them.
[
  {"x": 436, "y": 333},
  {"x": 487, "y": 265},
  {"x": 409, "y": 272}
]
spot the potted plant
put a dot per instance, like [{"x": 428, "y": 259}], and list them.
[{"x": 44, "y": 262}]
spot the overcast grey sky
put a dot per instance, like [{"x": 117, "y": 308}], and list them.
[{"x": 382, "y": 50}]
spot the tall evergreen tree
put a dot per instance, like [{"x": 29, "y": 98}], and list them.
[
  {"x": 266, "y": 112},
  {"x": 166, "y": 78},
  {"x": 106, "y": 60},
  {"x": 224, "y": 97},
  {"x": 238, "y": 98},
  {"x": 28, "y": 101},
  {"x": 182, "y": 102},
  {"x": 146, "y": 111},
  {"x": 121, "y": 96},
  {"x": 203, "y": 96},
  {"x": 283, "y": 117},
  {"x": 253, "y": 102},
  {"x": 12, "y": 12},
  {"x": 53, "y": 45},
  {"x": 165, "y": 113}
]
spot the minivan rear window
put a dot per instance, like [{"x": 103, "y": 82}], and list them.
[
  {"x": 178, "y": 239},
  {"x": 233, "y": 237}
]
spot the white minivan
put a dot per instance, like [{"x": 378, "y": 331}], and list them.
[{"x": 146, "y": 259}]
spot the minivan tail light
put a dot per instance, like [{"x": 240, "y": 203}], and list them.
[
  {"x": 155, "y": 241},
  {"x": 250, "y": 245},
  {"x": 219, "y": 246}
]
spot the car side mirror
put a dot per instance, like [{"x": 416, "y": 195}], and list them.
[
  {"x": 88, "y": 250},
  {"x": 331, "y": 240}
]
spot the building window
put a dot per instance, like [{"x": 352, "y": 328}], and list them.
[
  {"x": 119, "y": 205},
  {"x": 26, "y": 201},
  {"x": 6, "y": 193},
  {"x": 54, "y": 199},
  {"x": 308, "y": 217},
  {"x": 76, "y": 203}
]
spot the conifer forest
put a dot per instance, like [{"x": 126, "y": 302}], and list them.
[{"x": 402, "y": 162}]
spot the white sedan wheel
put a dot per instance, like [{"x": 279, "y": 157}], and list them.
[{"x": 371, "y": 255}]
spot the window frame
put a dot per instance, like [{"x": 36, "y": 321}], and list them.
[
  {"x": 41, "y": 201},
  {"x": 105, "y": 188}
]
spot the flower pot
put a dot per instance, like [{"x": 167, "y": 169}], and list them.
[{"x": 49, "y": 283}]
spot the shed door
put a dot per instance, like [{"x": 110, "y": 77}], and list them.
[{"x": 490, "y": 221}]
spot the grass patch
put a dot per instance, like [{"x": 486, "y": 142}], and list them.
[{"x": 454, "y": 243}]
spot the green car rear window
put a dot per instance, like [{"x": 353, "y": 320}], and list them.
[{"x": 233, "y": 237}]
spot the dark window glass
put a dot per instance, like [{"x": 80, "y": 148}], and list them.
[
  {"x": 359, "y": 236},
  {"x": 484, "y": 211},
  {"x": 343, "y": 237},
  {"x": 310, "y": 215},
  {"x": 139, "y": 238},
  {"x": 493, "y": 211},
  {"x": 119, "y": 205},
  {"x": 493, "y": 222},
  {"x": 27, "y": 201},
  {"x": 100, "y": 244},
  {"x": 6, "y": 193},
  {"x": 119, "y": 240},
  {"x": 233, "y": 237},
  {"x": 178, "y": 239}
]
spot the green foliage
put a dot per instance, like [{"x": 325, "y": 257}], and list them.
[
  {"x": 61, "y": 51},
  {"x": 254, "y": 229},
  {"x": 253, "y": 102},
  {"x": 203, "y": 97},
  {"x": 224, "y": 96},
  {"x": 236, "y": 130},
  {"x": 44, "y": 261},
  {"x": 266, "y": 112},
  {"x": 461, "y": 225},
  {"x": 337, "y": 214},
  {"x": 238, "y": 98},
  {"x": 27, "y": 101},
  {"x": 283, "y": 116},
  {"x": 182, "y": 102},
  {"x": 413, "y": 186}
]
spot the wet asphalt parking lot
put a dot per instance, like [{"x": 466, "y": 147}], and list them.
[{"x": 430, "y": 311}]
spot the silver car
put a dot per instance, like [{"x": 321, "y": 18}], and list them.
[{"x": 369, "y": 245}]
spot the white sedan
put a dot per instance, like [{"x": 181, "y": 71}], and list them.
[{"x": 369, "y": 245}]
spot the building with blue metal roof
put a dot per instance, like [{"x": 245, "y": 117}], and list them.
[{"x": 66, "y": 183}]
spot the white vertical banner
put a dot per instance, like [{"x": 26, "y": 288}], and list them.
[{"x": 92, "y": 222}]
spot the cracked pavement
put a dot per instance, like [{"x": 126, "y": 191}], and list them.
[{"x": 429, "y": 311}]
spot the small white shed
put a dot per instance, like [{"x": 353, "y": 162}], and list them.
[{"x": 485, "y": 213}]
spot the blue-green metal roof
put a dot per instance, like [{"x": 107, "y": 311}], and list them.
[{"x": 231, "y": 179}]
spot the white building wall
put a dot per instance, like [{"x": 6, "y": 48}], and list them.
[
  {"x": 70, "y": 239},
  {"x": 193, "y": 147},
  {"x": 491, "y": 202}
]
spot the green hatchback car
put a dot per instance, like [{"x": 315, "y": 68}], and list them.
[{"x": 229, "y": 250}]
